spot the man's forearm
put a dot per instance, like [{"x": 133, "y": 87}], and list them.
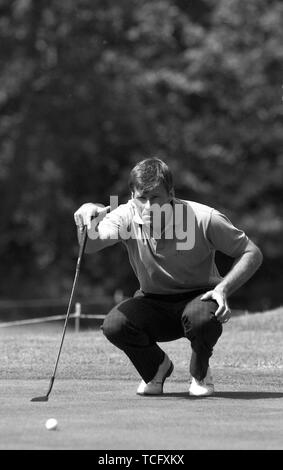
[
  {"x": 103, "y": 239},
  {"x": 242, "y": 270}
]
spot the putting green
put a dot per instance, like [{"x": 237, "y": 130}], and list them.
[
  {"x": 107, "y": 414},
  {"x": 94, "y": 395}
]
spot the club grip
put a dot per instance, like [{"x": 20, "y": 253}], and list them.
[{"x": 82, "y": 246}]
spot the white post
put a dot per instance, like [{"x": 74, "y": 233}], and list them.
[{"x": 78, "y": 309}]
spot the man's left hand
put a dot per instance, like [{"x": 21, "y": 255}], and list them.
[{"x": 223, "y": 313}]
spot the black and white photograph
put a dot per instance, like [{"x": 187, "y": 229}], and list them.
[{"x": 141, "y": 239}]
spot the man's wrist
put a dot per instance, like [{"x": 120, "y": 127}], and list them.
[{"x": 222, "y": 289}]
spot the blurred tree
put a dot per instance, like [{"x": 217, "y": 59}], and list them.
[{"x": 89, "y": 87}]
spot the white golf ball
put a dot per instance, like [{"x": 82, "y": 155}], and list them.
[{"x": 51, "y": 424}]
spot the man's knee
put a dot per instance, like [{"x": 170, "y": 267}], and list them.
[
  {"x": 199, "y": 318},
  {"x": 211, "y": 327},
  {"x": 120, "y": 325},
  {"x": 114, "y": 326}
]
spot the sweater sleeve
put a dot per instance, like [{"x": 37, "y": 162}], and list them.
[
  {"x": 224, "y": 236},
  {"x": 109, "y": 230}
]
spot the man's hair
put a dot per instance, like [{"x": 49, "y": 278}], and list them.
[{"x": 149, "y": 173}]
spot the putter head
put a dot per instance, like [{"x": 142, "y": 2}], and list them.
[{"x": 44, "y": 398}]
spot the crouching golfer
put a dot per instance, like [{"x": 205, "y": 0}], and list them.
[{"x": 171, "y": 245}]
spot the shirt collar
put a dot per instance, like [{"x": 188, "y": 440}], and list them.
[{"x": 136, "y": 217}]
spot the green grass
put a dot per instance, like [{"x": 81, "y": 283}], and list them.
[
  {"x": 95, "y": 402},
  {"x": 250, "y": 341}
]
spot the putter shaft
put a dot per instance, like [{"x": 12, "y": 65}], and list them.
[{"x": 78, "y": 266}]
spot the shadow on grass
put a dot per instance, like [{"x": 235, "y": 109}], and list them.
[
  {"x": 232, "y": 395},
  {"x": 248, "y": 395}
]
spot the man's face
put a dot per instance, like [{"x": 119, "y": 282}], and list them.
[
  {"x": 144, "y": 200},
  {"x": 158, "y": 195}
]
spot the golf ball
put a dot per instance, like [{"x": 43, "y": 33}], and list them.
[{"x": 51, "y": 424}]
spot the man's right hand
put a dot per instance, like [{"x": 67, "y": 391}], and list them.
[{"x": 87, "y": 212}]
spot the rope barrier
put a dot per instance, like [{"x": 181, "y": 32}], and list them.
[
  {"x": 34, "y": 320},
  {"x": 77, "y": 315},
  {"x": 7, "y": 304}
]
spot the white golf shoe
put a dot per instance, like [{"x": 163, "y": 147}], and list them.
[
  {"x": 155, "y": 386},
  {"x": 204, "y": 387}
]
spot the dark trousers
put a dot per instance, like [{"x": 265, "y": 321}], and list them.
[{"x": 137, "y": 324}]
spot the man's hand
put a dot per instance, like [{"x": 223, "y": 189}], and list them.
[
  {"x": 223, "y": 313},
  {"x": 87, "y": 212}
]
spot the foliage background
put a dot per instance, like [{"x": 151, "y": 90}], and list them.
[{"x": 89, "y": 87}]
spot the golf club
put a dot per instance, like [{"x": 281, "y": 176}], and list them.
[{"x": 81, "y": 252}]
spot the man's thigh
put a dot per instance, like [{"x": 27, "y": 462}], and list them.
[
  {"x": 157, "y": 319},
  {"x": 199, "y": 314}
]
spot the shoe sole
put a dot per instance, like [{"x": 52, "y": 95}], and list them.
[
  {"x": 168, "y": 373},
  {"x": 206, "y": 394},
  {"x": 203, "y": 395}
]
